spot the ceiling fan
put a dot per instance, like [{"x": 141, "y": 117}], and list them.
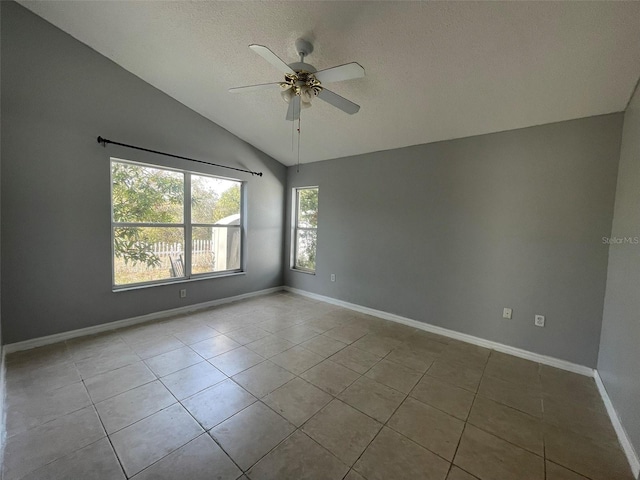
[{"x": 302, "y": 82}]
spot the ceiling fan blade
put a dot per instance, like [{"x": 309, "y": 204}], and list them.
[
  {"x": 293, "y": 113},
  {"x": 271, "y": 57},
  {"x": 337, "y": 101},
  {"x": 348, "y": 71},
  {"x": 251, "y": 88}
]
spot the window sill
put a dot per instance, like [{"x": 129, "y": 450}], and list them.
[
  {"x": 308, "y": 272},
  {"x": 127, "y": 288}
]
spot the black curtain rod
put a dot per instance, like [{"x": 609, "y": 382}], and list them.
[{"x": 104, "y": 142}]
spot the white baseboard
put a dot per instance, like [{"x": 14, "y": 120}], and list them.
[
  {"x": 551, "y": 361},
  {"x": 623, "y": 438},
  {"x": 105, "y": 327}
]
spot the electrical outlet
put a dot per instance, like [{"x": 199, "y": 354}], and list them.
[
  {"x": 539, "y": 321},
  {"x": 333, "y": 277},
  {"x": 183, "y": 293},
  {"x": 506, "y": 313}
]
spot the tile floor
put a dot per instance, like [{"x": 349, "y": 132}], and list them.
[{"x": 283, "y": 387}]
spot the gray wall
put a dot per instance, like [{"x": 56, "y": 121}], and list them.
[
  {"x": 450, "y": 233},
  {"x": 619, "y": 360},
  {"x": 1, "y": 385},
  {"x": 58, "y": 95}
]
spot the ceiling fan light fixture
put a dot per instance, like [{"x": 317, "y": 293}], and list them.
[
  {"x": 287, "y": 95},
  {"x": 306, "y": 95}
]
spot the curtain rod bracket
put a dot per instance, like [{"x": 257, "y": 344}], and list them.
[{"x": 104, "y": 142}]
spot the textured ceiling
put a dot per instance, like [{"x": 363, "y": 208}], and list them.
[{"x": 435, "y": 70}]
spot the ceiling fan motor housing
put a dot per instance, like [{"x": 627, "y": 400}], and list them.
[
  {"x": 303, "y": 47},
  {"x": 302, "y": 67}
]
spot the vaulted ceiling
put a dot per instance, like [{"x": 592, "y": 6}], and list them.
[{"x": 434, "y": 70}]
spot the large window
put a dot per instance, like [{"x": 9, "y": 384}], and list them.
[
  {"x": 158, "y": 236},
  {"x": 305, "y": 231}
]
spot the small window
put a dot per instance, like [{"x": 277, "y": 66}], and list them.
[
  {"x": 157, "y": 236},
  {"x": 305, "y": 232}
]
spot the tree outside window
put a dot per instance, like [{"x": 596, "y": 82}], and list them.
[
  {"x": 158, "y": 236},
  {"x": 306, "y": 228}
]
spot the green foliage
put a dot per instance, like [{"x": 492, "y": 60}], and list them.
[
  {"x": 306, "y": 241},
  {"x": 308, "y": 207},
  {"x": 306, "y": 249},
  {"x": 228, "y": 204},
  {"x": 209, "y": 207},
  {"x": 203, "y": 199},
  {"x": 132, "y": 246},
  {"x": 142, "y": 194}
]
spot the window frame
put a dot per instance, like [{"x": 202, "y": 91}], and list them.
[
  {"x": 295, "y": 228},
  {"x": 187, "y": 225}
]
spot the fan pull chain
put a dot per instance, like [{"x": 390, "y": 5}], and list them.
[
  {"x": 298, "y": 167},
  {"x": 293, "y": 135}
]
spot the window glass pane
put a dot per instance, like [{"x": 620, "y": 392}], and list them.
[
  {"x": 216, "y": 249},
  {"x": 214, "y": 200},
  {"x": 306, "y": 249},
  {"x": 146, "y": 195},
  {"x": 308, "y": 207},
  {"x": 144, "y": 254}
]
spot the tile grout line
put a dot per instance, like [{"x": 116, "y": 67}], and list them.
[
  {"x": 93, "y": 404},
  {"x": 383, "y": 424},
  {"x": 204, "y": 432},
  {"x": 466, "y": 422},
  {"x": 393, "y": 413},
  {"x": 543, "y": 456},
  {"x": 296, "y": 428},
  {"x": 69, "y": 413},
  {"x": 207, "y": 431},
  {"x": 157, "y": 378},
  {"x": 300, "y": 428},
  {"x": 258, "y": 399},
  {"x": 108, "y": 436},
  {"x": 62, "y": 457},
  {"x": 544, "y": 437},
  {"x": 56, "y": 418},
  {"x": 573, "y": 471}
]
